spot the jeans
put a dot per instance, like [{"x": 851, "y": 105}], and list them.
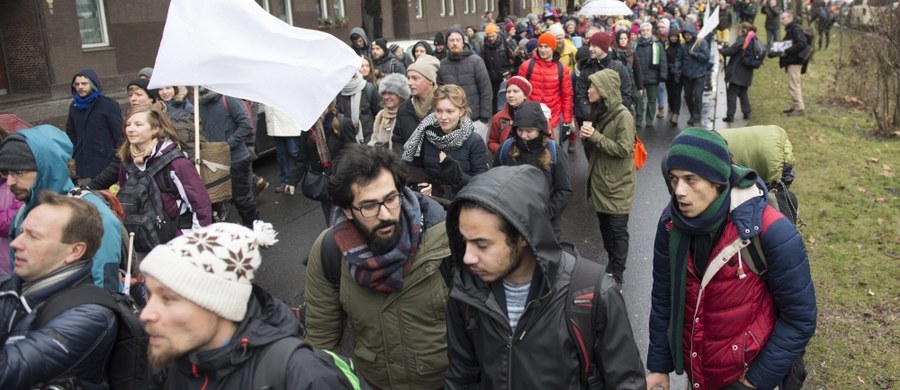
[
  {"x": 241, "y": 195},
  {"x": 286, "y": 151},
  {"x": 661, "y": 95},
  {"x": 614, "y": 231},
  {"x": 733, "y": 93},
  {"x": 645, "y": 105},
  {"x": 673, "y": 94},
  {"x": 771, "y": 36},
  {"x": 693, "y": 96}
]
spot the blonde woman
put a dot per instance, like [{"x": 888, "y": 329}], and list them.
[
  {"x": 444, "y": 151},
  {"x": 151, "y": 143}
]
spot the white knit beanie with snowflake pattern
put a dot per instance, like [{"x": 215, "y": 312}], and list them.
[{"x": 212, "y": 266}]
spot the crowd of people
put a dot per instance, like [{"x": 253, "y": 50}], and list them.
[{"x": 443, "y": 176}]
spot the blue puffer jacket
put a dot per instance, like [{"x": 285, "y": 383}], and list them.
[
  {"x": 788, "y": 285},
  {"x": 95, "y": 132},
  {"x": 52, "y": 151},
  {"x": 692, "y": 62},
  {"x": 76, "y": 344}
]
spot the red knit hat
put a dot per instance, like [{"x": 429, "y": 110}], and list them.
[
  {"x": 522, "y": 83},
  {"x": 547, "y": 39},
  {"x": 601, "y": 39}
]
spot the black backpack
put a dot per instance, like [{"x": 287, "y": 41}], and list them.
[
  {"x": 271, "y": 364},
  {"x": 127, "y": 365},
  {"x": 754, "y": 54},
  {"x": 141, "y": 199}
]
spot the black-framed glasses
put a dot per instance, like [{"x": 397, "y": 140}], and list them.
[{"x": 370, "y": 210}]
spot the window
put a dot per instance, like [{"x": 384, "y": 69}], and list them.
[
  {"x": 443, "y": 7},
  {"x": 91, "y": 23},
  {"x": 474, "y": 6},
  {"x": 465, "y": 6},
  {"x": 523, "y": 4},
  {"x": 321, "y": 9},
  {"x": 452, "y": 8},
  {"x": 281, "y": 9},
  {"x": 419, "y": 13},
  {"x": 488, "y": 5},
  {"x": 338, "y": 10}
]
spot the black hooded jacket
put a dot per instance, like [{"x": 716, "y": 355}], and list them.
[
  {"x": 590, "y": 66},
  {"x": 231, "y": 367},
  {"x": 539, "y": 354}
]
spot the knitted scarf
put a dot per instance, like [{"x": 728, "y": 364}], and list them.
[
  {"x": 422, "y": 106},
  {"x": 354, "y": 89},
  {"x": 83, "y": 103},
  {"x": 383, "y": 129},
  {"x": 138, "y": 154},
  {"x": 383, "y": 273},
  {"x": 679, "y": 248},
  {"x": 438, "y": 138}
]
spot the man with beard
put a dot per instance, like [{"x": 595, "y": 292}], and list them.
[
  {"x": 209, "y": 324},
  {"x": 94, "y": 125},
  {"x": 381, "y": 267},
  {"x": 466, "y": 69},
  {"x": 508, "y": 319},
  {"x": 53, "y": 256},
  {"x": 497, "y": 55},
  {"x": 35, "y": 160}
]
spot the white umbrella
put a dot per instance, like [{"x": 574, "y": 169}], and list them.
[{"x": 605, "y": 8}]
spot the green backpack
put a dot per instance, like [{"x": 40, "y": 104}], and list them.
[{"x": 272, "y": 361}]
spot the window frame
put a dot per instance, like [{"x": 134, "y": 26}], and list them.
[
  {"x": 104, "y": 29},
  {"x": 443, "y": 8},
  {"x": 452, "y": 10},
  {"x": 420, "y": 12}
]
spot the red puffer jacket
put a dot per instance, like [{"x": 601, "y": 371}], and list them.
[
  {"x": 501, "y": 127},
  {"x": 727, "y": 323},
  {"x": 545, "y": 88}
]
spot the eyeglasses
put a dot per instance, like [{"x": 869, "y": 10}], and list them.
[
  {"x": 16, "y": 173},
  {"x": 370, "y": 210}
]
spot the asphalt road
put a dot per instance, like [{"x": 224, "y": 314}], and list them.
[{"x": 299, "y": 221}]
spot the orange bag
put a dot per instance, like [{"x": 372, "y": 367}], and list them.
[{"x": 640, "y": 153}]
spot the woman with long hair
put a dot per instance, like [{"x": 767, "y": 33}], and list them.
[
  {"x": 176, "y": 97},
  {"x": 149, "y": 137},
  {"x": 444, "y": 148},
  {"x": 531, "y": 144}
]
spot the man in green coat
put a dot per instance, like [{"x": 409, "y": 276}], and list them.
[
  {"x": 387, "y": 252},
  {"x": 609, "y": 139}
]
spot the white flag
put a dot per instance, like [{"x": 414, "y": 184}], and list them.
[
  {"x": 709, "y": 24},
  {"x": 236, "y": 48}
]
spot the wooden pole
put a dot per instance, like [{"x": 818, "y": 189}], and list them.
[
  {"x": 197, "y": 127},
  {"x": 126, "y": 288}
]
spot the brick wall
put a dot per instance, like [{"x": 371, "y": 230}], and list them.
[{"x": 26, "y": 64}]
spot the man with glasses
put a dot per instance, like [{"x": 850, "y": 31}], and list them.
[{"x": 382, "y": 268}]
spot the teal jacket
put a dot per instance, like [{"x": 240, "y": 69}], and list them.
[{"x": 52, "y": 151}]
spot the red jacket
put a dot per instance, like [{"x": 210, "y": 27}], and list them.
[
  {"x": 733, "y": 319},
  {"x": 545, "y": 88},
  {"x": 501, "y": 125}
]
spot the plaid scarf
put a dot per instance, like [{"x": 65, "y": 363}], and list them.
[
  {"x": 679, "y": 248},
  {"x": 383, "y": 273}
]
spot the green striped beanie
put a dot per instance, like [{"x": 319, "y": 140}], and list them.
[{"x": 702, "y": 152}]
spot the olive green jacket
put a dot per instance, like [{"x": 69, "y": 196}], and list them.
[
  {"x": 611, "y": 178},
  {"x": 400, "y": 338}
]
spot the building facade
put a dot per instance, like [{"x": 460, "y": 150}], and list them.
[{"x": 44, "y": 42}]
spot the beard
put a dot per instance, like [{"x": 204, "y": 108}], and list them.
[
  {"x": 159, "y": 358},
  {"x": 379, "y": 245},
  {"x": 21, "y": 194},
  {"x": 515, "y": 260}
]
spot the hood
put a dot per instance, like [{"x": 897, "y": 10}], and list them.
[
  {"x": 689, "y": 28},
  {"x": 91, "y": 75},
  {"x": 267, "y": 320},
  {"x": 52, "y": 151},
  {"x": 360, "y": 32},
  {"x": 525, "y": 194},
  {"x": 607, "y": 81},
  {"x": 426, "y": 45}
]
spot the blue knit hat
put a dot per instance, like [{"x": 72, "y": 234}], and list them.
[{"x": 702, "y": 152}]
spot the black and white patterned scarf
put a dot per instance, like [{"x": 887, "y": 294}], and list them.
[{"x": 430, "y": 129}]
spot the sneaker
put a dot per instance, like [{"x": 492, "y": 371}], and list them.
[
  {"x": 280, "y": 188},
  {"x": 691, "y": 122},
  {"x": 648, "y": 125},
  {"x": 797, "y": 113},
  {"x": 259, "y": 187},
  {"x": 746, "y": 116},
  {"x": 674, "y": 119},
  {"x": 789, "y": 110},
  {"x": 618, "y": 278},
  {"x": 660, "y": 112},
  {"x": 728, "y": 119}
]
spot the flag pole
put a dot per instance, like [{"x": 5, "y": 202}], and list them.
[{"x": 197, "y": 127}]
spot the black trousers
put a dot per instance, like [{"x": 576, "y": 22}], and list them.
[
  {"x": 733, "y": 93},
  {"x": 614, "y": 231},
  {"x": 241, "y": 195},
  {"x": 673, "y": 93},
  {"x": 693, "y": 96}
]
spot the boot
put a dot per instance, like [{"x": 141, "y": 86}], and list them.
[
  {"x": 674, "y": 119},
  {"x": 660, "y": 112}
]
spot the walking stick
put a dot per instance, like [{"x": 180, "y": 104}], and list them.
[{"x": 126, "y": 288}]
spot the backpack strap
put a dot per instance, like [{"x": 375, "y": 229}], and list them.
[
  {"x": 559, "y": 69},
  {"x": 757, "y": 257},
  {"x": 551, "y": 146},
  {"x": 69, "y": 298},
  {"x": 330, "y": 256},
  {"x": 271, "y": 363},
  {"x": 530, "y": 70},
  {"x": 581, "y": 309}
]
